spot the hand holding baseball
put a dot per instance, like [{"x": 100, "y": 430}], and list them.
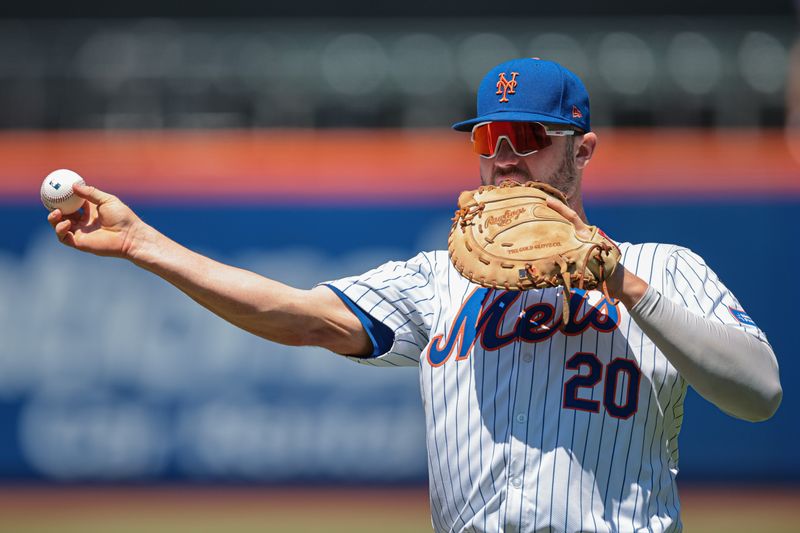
[{"x": 105, "y": 226}]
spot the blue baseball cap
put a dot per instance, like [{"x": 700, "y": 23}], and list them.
[{"x": 531, "y": 90}]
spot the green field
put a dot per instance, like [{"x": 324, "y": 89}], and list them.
[{"x": 200, "y": 510}]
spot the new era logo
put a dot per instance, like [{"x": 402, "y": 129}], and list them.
[{"x": 576, "y": 113}]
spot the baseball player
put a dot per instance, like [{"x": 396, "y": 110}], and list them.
[{"x": 533, "y": 423}]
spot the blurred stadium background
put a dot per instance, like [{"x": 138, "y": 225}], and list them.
[{"x": 256, "y": 134}]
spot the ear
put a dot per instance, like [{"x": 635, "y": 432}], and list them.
[{"x": 585, "y": 150}]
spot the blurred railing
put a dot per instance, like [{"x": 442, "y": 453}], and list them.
[{"x": 160, "y": 73}]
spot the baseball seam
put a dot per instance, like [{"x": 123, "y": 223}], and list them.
[
  {"x": 52, "y": 199},
  {"x": 58, "y": 198}
]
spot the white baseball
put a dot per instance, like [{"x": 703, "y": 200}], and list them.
[{"x": 57, "y": 191}]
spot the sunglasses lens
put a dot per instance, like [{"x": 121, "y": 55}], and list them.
[
  {"x": 481, "y": 144},
  {"x": 526, "y": 137}
]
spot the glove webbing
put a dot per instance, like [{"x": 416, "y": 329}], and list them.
[{"x": 567, "y": 278}]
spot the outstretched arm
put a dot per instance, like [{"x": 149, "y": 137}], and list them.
[
  {"x": 728, "y": 367},
  {"x": 262, "y": 306}
]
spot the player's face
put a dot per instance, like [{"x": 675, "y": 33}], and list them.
[
  {"x": 540, "y": 165},
  {"x": 559, "y": 164}
]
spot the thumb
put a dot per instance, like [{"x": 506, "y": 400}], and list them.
[{"x": 93, "y": 194}]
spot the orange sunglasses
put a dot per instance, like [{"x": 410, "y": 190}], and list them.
[{"x": 525, "y": 138}]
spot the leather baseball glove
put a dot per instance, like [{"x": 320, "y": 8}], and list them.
[{"x": 506, "y": 237}]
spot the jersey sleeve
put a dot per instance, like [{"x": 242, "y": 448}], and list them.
[
  {"x": 402, "y": 296},
  {"x": 691, "y": 283}
]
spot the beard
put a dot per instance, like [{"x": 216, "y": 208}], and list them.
[{"x": 565, "y": 178}]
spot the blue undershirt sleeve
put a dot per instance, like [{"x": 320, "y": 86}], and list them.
[{"x": 381, "y": 335}]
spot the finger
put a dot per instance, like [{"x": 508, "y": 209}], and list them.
[
  {"x": 63, "y": 233},
  {"x": 93, "y": 194},
  {"x": 75, "y": 216},
  {"x": 85, "y": 211},
  {"x": 69, "y": 240},
  {"x": 54, "y": 217},
  {"x": 566, "y": 212}
]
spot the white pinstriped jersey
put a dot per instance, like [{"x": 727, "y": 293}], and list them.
[{"x": 536, "y": 427}]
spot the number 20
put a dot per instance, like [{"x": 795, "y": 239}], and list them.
[{"x": 613, "y": 370}]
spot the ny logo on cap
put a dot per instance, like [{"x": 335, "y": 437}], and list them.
[{"x": 505, "y": 86}]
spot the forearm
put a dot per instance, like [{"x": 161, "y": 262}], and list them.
[
  {"x": 264, "y": 307},
  {"x": 728, "y": 367},
  {"x": 252, "y": 302}
]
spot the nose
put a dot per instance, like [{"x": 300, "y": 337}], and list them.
[{"x": 505, "y": 156}]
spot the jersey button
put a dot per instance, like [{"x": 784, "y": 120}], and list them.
[
  {"x": 521, "y": 418},
  {"x": 516, "y": 482},
  {"x": 527, "y": 357}
]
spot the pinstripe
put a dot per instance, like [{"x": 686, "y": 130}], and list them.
[
  {"x": 659, "y": 470},
  {"x": 603, "y": 419},
  {"x": 594, "y": 518},
  {"x": 626, "y": 383},
  {"x": 647, "y": 416},
  {"x": 663, "y": 504},
  {"x": 707, "y": 279},
  {"x": 387, "y": 285},
  {"x": 660, "y": 462},
  {"x": 457, "y": 455},
  {"x": 470, "y": 418},
  {"x": 531, "y": 380},
  {"x": 471, "y": 479},
  {"x": 633, "y": 427},
  {"x": 460, "y": 483},
  {"x": 434, "y": 465},
  {"x": 606, "y": 503},
  {"x": 585, "y": 447},
  {"x": 493, "y": 448},
  {"x": 674, "y": 491},
  {"x": 703, "y": 279},
  {"x": 441, "y": 493},
  {"x": 450, "y": 517},
  {"x": 516, "y": 352},
  {"x": 473, "y": 361},
  {"x": 603, "y": 415},
  {"x": 369, "y": 276},
  {"x": 541, "y": 443},
  {"x": 365, "y": 293},
  {"x": 509, "y": 441},
  {"x": 408, "y": 320},
  {"x": 572, "y": 447},
  {"x": 494, "y": 432},
  {"x": 434, "y": 497},
  {"x": 428, "y": 278},
  {"x": 558, "y": 429},
  {"x": 666, "y": 274},
  {"x": 696, "y": 291},
  {"x": 435, "y": 293}
]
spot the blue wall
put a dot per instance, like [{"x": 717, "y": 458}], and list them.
[{"x": 108, "y": 373}]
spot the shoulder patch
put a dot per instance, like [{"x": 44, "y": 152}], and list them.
[{"x": 741, "y": 317}]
